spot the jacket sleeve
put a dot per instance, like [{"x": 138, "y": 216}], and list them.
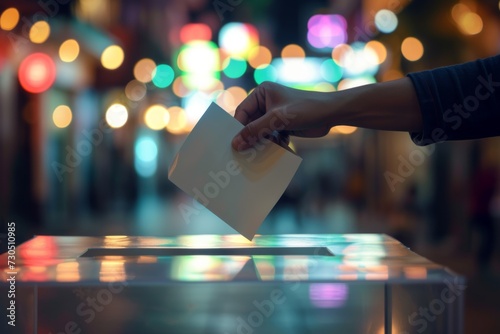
[{"x": 459, "y": 102}]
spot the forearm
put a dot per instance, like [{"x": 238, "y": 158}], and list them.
[{"x": 389, "y": 105}]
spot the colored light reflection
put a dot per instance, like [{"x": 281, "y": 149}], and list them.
[
  {"x": 258, "y": 56},
  {"x": 328, "y": 295},
  {"x": 412, "y": 49},
  {"x": 163, "y": 76},
  {"x": 69, "y": 50},
  {"x": 234, "y": 67},
  {"x": 156, "y": 117},
  {"x": 39, "y": 32},
  {"x": 195, "y": 32},
  {"x": 207, "y": 268},
  {"x": 9, "y": 19},
  {"x": 112, "y": 271},
  {"x": 146, "y": 156},
  {"x": 40, "y": 251},
  {"x": 112, "y": 57},
  {"x": 326, "y": 31},
  {"x": 67, "y": 272},
  {"x": 37, "y": 73},
  {"x": 237, "y": 39},
  {"x": 116, "y": 115},
  {"x": 62, "y": 116},
  {"x": 386, "y": 21}
]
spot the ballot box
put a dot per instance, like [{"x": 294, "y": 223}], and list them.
[{"x": 325, "y": 283}]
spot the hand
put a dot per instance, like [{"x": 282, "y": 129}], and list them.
[{"x": 273, "y": 111}]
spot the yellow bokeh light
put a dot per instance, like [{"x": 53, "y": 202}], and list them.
[
  {"x": 157, "y": 117},
  {"x": 62, "y": 116},
  {"x": 259, "y": 55},
  {"x": 293, "y": 51},
  {"x": 116, "y": 115},
  {"x": 378, "y": 49},
  {"x": 143, "y": 70},
  {"x": 9, "y": 19},
  {"x": 112, "y": 57},
  {"x": 39, "y": 32},
  {"x": 470, "y": 23},
  {"x": 178, "y": 120},
  {"x": 324, "y": 87},
  {"x": 69, "y": 50},
  {"x": 459, "y": 10},
  {"x": 343, "y": 129},
  {"x": 412, "y": 49}
]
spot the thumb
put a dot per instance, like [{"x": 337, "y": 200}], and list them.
[{"x": 252, "y": 133}]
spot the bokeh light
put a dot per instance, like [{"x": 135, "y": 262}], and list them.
[
  {"x": 178, "y": 120},
  {"x": 386, "y": 21},
  {"x": 358, "y": 61},
  {"x": 195, "y": 105},
  {"x": 340, "y": 51},
  {"x": 143, "y": 70},
  {"x": 412, "y": 49},
  {"x": 195, "y": 32},
  {"x": 37, "y": 73},
  {"x": 116, "y": 115},
  {"x": 200, "y": 62},
  {"x": 298, "y": 70},
  {"x": 179, "y": 88},
  {"x": 234, "y": 67},
  {"x": 9, "y": 19},
  {"x": 293, "y": 51},
  {"x": 265, "y": 73},
  {"x": 357, "y": 82},
  {"x": 62, "y": 116},
  {"x": 135, "y": 90},
  {"x": 330, "y": 70},
  {"x": 237, "y": 39},
  {"x": 39, "y": 32},
  {"x": 146, "y": 155},
  {"x": 112, "y": 57},
  {"x": 69, "y": 50},
  {"x": 326, "y": 31},
  {"x": 163, "y": 76},
  {"x": 324, "y": 87},
  {"x": 259, "y": 55},
  {"x": 378, "y": 49},
  {"x": 470, "y": 23},
  {"x": 156, "y": 117}
]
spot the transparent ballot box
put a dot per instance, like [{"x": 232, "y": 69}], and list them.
[{"x": 225, "y": 284}]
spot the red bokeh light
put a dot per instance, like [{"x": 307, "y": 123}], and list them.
[
  {"x": 195, "y": 31},
  {"x": 37, "y": 73}
]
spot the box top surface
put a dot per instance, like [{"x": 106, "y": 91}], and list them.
[{"x": 76, "y": 260}]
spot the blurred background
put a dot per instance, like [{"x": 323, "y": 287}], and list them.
[{"x": 96, "y": 97}]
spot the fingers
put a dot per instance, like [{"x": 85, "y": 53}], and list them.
[{"x": 252, "y": 107}]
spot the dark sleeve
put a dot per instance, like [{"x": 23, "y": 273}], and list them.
[{"x": 459, "y": 102}]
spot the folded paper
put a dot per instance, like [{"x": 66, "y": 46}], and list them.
[{"x": 240, "y": 188}]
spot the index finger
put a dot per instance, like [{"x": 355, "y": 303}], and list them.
[{"x": 252, "y": 107}]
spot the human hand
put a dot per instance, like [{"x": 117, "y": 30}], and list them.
[{"x": 273, "y": 112}]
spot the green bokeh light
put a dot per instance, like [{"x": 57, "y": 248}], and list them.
[
  {"x": 265, "y": 73},
  {"x": 331, "y": 71},
  {"x": 163, "y": 76},
  {"x": 234, "y": 68}
]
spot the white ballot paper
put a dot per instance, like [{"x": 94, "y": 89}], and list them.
[{"x": 241, "y": 188}]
